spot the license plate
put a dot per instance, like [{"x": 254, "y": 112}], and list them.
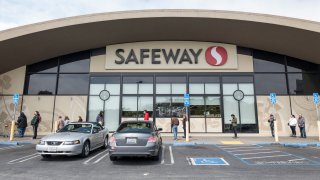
[
  {"x": 52, "y": 149},
  {"x": 131, "y": 141}
]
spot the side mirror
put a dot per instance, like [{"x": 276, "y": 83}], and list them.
[
  {"x": 95, "y": 131},
  {"x": 159, "y": 129}
]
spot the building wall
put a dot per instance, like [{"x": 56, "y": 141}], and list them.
[
  {"x": 13, "y": 81},
  {"x": 7, "y": 113}
]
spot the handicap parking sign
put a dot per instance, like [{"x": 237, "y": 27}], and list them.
[
  {"x": 186, "y": 98},
  {"x": 316, "y": 98},
  {"x": 15, "y": 98},
  {"x": 273, "y": 98},
  {"x": 209, "y": 161}
]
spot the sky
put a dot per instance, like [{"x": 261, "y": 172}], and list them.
[{"x": 15, "y": 13}]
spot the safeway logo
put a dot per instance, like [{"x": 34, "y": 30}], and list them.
[{"x": 216, "y": 56}]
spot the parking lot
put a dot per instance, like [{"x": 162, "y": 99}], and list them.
[{"x": 223, "y": 161}]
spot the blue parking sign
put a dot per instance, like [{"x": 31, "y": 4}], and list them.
[
  {"x": 273, "y": 98},
  {"x": 186, "y": 98},
  {"x": 15, "y": 98},
  {"x": 316, "y": 98}
]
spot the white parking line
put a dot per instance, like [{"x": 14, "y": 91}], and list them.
[
  {"x": 10, "y": 147},
  {"x": 261, "y": 157},
  {"x": 171, "y": 155},
  {"x": 29, "y": 158},
  {"x": 162, "y": 155},
  {"x": 297, "y": 159},
  {"x": 251, "y": 147},
  {"x": 98, "y": 160},
  {"x": 87, "y": 161},
  {"x": 256, "y": 153},
  {"x": 248, "y": 150},
  {"x": 24, "y": 157}
]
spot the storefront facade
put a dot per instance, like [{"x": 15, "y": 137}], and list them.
[{"x": 222, "y": 78}]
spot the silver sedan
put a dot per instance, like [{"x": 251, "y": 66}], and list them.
[
  {"x": 74, "y": 139},
  {"x": 136, "y": 138}
]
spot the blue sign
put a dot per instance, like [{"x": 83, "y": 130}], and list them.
[
  {"x": 316, "y": 98},
  {"x": 208, "y": 161},
  {"x": 273, "y": 98},
  {"x": 15, "y": 98},
  {"x": 186, "y": 98}
]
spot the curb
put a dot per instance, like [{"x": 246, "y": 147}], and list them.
[
  {"x": 15, "y": 143},
  {"x": 313, "y": 144}
]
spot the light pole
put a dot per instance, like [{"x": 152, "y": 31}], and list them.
[{"x": 138, "y": 82}]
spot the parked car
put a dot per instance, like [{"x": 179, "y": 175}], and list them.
[
  {"x": 74, "y": 139},
  {"x": 136, "y": 138}
]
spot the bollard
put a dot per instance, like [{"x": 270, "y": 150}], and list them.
[
  {"x": 13, "y": 124},
  {"x": 55, "y": 127}
]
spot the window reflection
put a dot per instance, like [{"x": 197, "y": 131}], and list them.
[{"x": 41, "y": 84}]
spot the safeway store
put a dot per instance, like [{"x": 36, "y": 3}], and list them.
[{"x": 126, "y": 62}]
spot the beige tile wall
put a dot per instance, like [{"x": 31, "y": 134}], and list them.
[
  {"x": 7, "y": 113},
  {"x": 13, "y": 81},
  {"x": 71, "y": 106}
]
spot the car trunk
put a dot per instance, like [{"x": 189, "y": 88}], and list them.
[{"x": 132, "y": 139}]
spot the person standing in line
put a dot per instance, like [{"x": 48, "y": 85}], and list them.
[
  {"x": 271, "y": 123},
  {"x": 174, "y": 125},
  {"x": 100, "y": 118},
  {"x": 22, "y": 124},
  {"x": 302, "y": 126},
  {"x": 145, "y": 115},
  {"x": 292, "y": 123},
  {"x": 35, "y": 123},
  {"x": 66, "y": 120},
  {"x": 234, "y": 122},
  {"x": 60, "y": 123},
  {"x": 184, "y": 121},
  {"x": 80, "y": 119}
]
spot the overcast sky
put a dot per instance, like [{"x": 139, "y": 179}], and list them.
[{"x": 15, "y": 13}]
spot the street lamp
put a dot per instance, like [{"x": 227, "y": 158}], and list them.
[{"x": 138, "y": 82}]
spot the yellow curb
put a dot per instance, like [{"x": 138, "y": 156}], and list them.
[{"x": 231, "y": 142}]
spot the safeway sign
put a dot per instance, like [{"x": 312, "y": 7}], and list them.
[{"x": 164, "y": 55}]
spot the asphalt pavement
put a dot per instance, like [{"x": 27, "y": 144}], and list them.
[{"x": 225, "y": 160}]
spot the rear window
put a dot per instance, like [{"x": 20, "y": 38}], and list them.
[{"x": 135, "y": 127}]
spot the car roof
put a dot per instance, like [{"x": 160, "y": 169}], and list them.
[
  {"x": 135, "y": 121},
  {"x": 93, "y": 123}
]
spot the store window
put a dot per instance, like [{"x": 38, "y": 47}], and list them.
[
  {"x": 298, "y": 65},
  {"x": 268, "y": 62},
  {"x": 48, "y": 66},
  {"x": 75, "y": 63},
  {"x": 41, "y": 84},
  {"x": 73, "y": 84},
  {"x": 270, "y": 83},
  {"x": 303, "y": 83}
]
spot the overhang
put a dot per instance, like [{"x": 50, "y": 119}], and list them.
[{"x": 36, "y": 42}]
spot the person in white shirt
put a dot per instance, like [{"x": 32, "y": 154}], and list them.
[{"x": 293, "y": 123}]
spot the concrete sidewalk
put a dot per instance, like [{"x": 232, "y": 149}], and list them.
[{"x": 19, "y": 141}]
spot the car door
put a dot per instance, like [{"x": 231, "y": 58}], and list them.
[{"x": 95, "y": 136}]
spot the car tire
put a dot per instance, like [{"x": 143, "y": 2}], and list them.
[
  {"x": 113, "y": 158},
  {"x": 46, "y": 156},
  {"x": 106, "y": 143},
  {"x": 85, "y": 149}
]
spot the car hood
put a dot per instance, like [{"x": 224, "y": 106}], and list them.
[{"x": 65, "y": 136}]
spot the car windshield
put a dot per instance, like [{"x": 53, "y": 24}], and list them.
[
  {"x": 80, "y": 128},
  {"x": 135, "y": 127}
]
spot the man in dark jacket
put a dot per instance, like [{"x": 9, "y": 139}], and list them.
[
  {"x": 22, "y": 124},
  {"x": 234, "y": 122},
  {"x": 271, "y": 122},
  {"x": 302, "y": 126}
]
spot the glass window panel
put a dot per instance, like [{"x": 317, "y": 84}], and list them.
[
  {"x": 179, "y": 88},
  {"x": 163, "y": 105},
  {"x": 145, "y": 88},
  {"x": 114, "y": 89},
  {"x": 246, "y": 88},
  {"x": 145, "y": 103},
  {"x": 268, "y": 83},
  {"x": 111, "y": 113},
  {"x": 303, "y": 84},
  {"x": 298, "y": 65},
  {"x": 129, "y": 106},
  {"x": 95, "y": 89},
  {"x": 95, "y": 106},
  {"x": 77, "y": 62},
  {"x": 138, "y": 79},
  {"x": 237, "y": 79},
  {"x": 48, "y": 66},
  {"x": 171, "y": 79},
  {"x": 177, "y": 106},
  {"x": 197, "y": 107},
  {"x": 105, "y": 80},
  {"x": 196, "y": 88},
  {"x": 73, "y": 84},
  {"x": 163, "y": 88},
  {"x": 228, "y": 89},
  {"x": 42, "y": 84},
  {"x": 268, "y": 62},
  {"x": 247, "y": 110},
  {"x": 213, "y": 107},
  {"x": 204, "y": 79},
  {"x": 230, "y": 106},
  {"x": 130, "y": 89},
  {"x": 211, "y": 88}
]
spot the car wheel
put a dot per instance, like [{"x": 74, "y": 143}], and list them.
[
  {"x": 106, "y": 143},
  {"x": 85, "y": 149},
  {"x": 113, "y": 158},
  {"x": 46, "y": 156}
]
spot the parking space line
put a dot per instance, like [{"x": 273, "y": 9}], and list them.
[
  {"x": 171, "y": 155},
  {"x": 10, "y": 147},
  {"x": 261, "y": 157},
  {"x": 256, "y": 153},
  {"x": 297, "y": 159},
  {"x": 29, "y": 158},
  {"x": 241, "y": 148},
  {"x": 162, "y": 155},
  {"x": 87, "y": 161},
  {"x": 98, "y": 160},
  {"x": 21, "y": 159},
  {"x": 248, "y": 150}
]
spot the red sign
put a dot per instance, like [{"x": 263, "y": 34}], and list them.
[{"x": 216, "y": 56}]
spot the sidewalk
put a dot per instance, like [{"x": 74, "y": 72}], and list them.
[{"x": 18, "y": 140}]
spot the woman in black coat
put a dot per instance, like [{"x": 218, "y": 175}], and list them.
[{"x": 22, "y": 124}]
